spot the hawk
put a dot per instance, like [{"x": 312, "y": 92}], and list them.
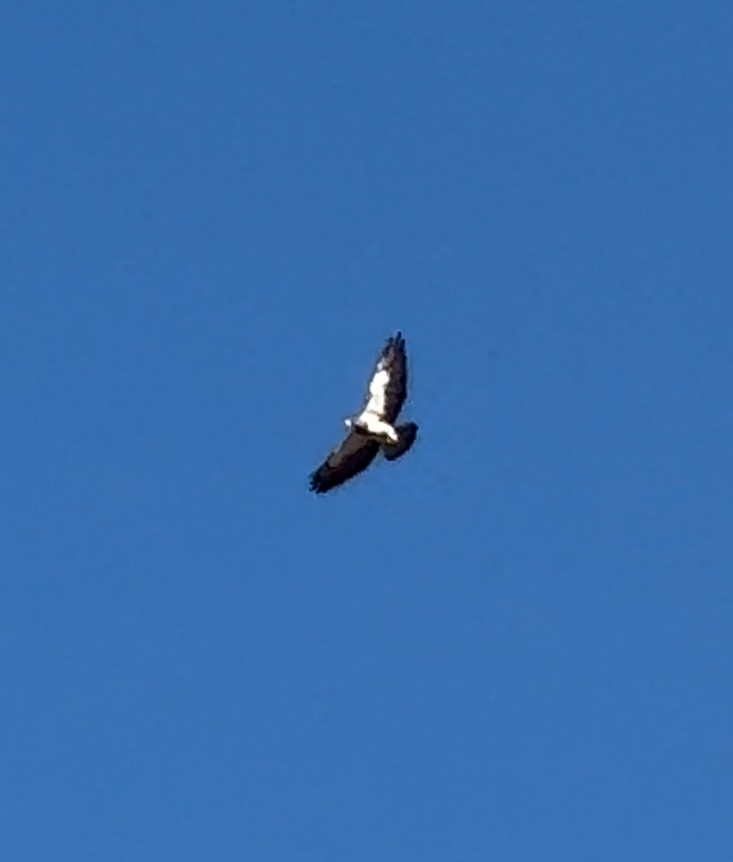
[{"x": 374, "y": 428}]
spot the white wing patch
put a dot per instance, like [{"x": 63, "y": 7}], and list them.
[{"x": 377, "y": 388}]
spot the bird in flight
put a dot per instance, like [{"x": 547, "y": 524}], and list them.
[{"x": 374, "y": 428}]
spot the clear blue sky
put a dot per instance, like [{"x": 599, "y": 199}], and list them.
[{"x": 514, "y": 644}]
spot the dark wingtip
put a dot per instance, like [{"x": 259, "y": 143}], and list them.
[
  {"x": 317, "y": 486},
  {"x": 397, "y": 340}
]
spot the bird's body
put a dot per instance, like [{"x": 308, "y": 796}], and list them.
[
  {"x": 370, "y": 425},
  {"x": 374, "y": 427}
]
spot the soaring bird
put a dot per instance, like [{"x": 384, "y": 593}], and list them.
[{"x": 374, "y": 428}]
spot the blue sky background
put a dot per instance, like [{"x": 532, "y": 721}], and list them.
[{"x": 514, "y": 644}]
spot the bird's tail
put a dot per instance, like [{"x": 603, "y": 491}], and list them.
[{"x": 407, "y": 434}]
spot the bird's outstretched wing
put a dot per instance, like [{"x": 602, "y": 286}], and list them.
[
  {"x": 351, "y": 457},
  {"x": 388, "y": 386}
]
